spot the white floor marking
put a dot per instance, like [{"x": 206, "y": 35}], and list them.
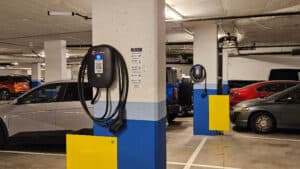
[
  {"x": 32, "y": 153},
  {"x": 269, "y": 138},
  {"x": 201, "y": 165},
  {"x": 176, "y": 163},
  {"x": 212, "y": 166},
  {"x": 195, "y": 154}
]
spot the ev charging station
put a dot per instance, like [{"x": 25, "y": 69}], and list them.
[{"x": 136, "y": 30}]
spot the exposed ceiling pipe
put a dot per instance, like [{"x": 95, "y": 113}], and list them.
[
  {"x": 21, "y": 59},
  {"x": 294, "y": 52},
  {"x": 236, "y": 17},
  {"x": 80, "y": 46},
  {"x": 246, "y": 47}
]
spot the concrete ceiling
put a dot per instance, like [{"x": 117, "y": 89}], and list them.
[
  {"x": 25, "y": 24},
  {"x": 259, "y": 30}
]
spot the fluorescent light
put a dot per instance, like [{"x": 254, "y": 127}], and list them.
[
  {"x": 170, "y": 13},
  {"x": 58, "y": 13}
]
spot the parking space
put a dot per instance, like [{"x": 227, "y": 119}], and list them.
[{"x": 234, "y": 150}]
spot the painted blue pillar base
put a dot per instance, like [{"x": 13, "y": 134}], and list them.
[
  {"x": 201, "y": 112},
  {"x": 35, "y": 83},
  {"x": 141, "y": 145},
  {"x": 225, "y": 89}
]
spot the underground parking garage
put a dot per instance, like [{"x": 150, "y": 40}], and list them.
[{"x": 149, "y": 84}]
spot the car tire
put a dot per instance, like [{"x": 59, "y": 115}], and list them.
[
  {"x": 3, "y": 139},
  {"x": 171, "y": 118},
  {"x": 262, "y": 123},
  {"x": 4, "y": 94}
]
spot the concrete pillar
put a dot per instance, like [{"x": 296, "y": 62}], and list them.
[
  {"x": 56, "y": 64},
  {"x": 74, "y": 72},
  {"x": 137, "y": 30},
  {"x": 205, "y": 53},
  {"x": 36, "y": 74}
]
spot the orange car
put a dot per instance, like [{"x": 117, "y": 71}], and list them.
[{"x": 13, "y": 86}]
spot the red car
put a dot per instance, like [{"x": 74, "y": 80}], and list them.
[{"x": 257, "y": 90}]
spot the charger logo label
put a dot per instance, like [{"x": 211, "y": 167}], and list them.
[{"x": 99, "y": 66}]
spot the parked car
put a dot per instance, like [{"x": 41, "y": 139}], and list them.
[
  {"x": 262, "y": 115},
  {"x": 284, "y": 74},
  {"x": 172, "y": 89},
  {"x": 45, "y": 110},
  {"x": 186, "y": 96},
  {"x": 260, "y": 89},
  {"x": 241, "y": 83},
  {"x": 11, "y": 86}
]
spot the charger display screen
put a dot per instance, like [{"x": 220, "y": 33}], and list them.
[{"x": 98, "y": 64}]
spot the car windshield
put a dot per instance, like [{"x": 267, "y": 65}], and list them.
[{"x": 282, "y": 93}]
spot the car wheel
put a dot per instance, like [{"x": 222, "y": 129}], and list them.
[
  {"x": 3, "y": 139},
  {"x": 262, "y": 123},
  {"x": 4, "y": 94},
  {"x": 171, "y": 117}
]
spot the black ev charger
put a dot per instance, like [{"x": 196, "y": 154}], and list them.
[
  {"x": 103, "y": 63},
  {"x": 198, "y": 74}
]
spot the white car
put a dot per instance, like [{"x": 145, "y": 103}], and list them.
[{"x": 52, "y": 107}]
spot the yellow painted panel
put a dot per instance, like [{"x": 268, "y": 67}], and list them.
[
  {"x": 219, "y": 112},
  {"x": 91, "y": 152}
]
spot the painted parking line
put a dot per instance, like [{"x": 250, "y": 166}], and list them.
[
  {"x": 195, "y": 154},
  {"x": 268, "y": 138},
  {"x": 32, "y": 153},
  {"x": 201, "y": 165}
]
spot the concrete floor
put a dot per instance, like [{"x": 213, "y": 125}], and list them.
[{"x": 234, "y": 150}]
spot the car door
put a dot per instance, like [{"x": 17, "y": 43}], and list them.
[
  {"x": 35, "y": 111},
  {"x": 290, "y": 109},
  {"x": 70, "y": 115}
]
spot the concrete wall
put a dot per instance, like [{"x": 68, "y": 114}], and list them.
[{"x": 258, "y": 67}]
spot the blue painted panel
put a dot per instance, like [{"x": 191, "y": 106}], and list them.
[
  {"x": 201, "y": 112},
  {"x": 35, "y": 83},
  {"x": 141, "y": 145},
  {"x": 225, "y": 89}
]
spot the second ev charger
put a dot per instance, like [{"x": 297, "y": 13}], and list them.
[
  {"x": 198, "y": 74},
  {"x": 103, "y": 63}
]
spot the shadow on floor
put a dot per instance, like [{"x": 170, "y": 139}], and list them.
[{"x": 277, "y": 131}]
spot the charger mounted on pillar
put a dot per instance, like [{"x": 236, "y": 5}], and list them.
[
  {"x": 198, "y": 74},
  {"x": 103, "y": 63}
]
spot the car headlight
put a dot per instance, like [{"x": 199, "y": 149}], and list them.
[{"x": 242, "y": 109}]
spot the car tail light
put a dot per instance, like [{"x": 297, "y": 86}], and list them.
[{"x": 175, "y": 94}]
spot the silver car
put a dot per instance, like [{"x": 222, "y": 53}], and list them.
[
  {"x": 52, "y": 107},
  {"x": 280, "y": 110}
]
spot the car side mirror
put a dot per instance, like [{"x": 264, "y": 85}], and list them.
[
  {"x": 290, "y": 99},
  {"x": 286, "y": 100}
]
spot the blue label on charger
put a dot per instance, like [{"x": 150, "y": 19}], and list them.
[{"x": 99, "y": 57}]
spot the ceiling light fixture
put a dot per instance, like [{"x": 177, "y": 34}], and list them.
[
  {"x": 172, "y": 14},
  {"x": 59, "y": 13}
]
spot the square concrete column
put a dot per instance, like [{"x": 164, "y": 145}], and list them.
[
  {"x": 56, "y": 64},
  {"x": 205, "y": 53},
  {"x": 137, "y": 29},
  {"x": 36, "y": 74}
]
